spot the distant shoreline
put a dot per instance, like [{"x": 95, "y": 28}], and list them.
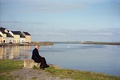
[
  {"x": 27, "y": 44},
  {"x": 104, "y": 43},
  {"x": 89, "y": 42},
  {"x": 51, "y": 43}
]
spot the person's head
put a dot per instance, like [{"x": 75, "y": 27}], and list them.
[{"x": 37, "y": 46}]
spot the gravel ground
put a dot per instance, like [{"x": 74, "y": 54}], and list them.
[{"x": 31, "y": 74}]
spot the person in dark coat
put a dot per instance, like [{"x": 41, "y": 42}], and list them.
[{"x": 37, "y": 58}]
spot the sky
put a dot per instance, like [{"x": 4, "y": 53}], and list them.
[{"x": 63, "y": 20}]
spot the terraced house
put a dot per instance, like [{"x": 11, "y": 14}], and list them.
[
  {"x": 3, "y": 33},
  {"x": 7, "y": 36},
  {"x": 27, "y": 37}
]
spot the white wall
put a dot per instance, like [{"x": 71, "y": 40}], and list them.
[
  {"x": 9, "y": 39},
  {"x": 22, "y": 40}
]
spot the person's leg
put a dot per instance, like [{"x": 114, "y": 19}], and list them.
[{"x": 43, "y": 63}]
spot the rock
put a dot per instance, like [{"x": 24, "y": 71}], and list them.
[
  {"x": 55, "y": 66},
  {"x": 29, "y": 63}
]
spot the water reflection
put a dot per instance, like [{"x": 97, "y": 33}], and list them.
[{"x": 14, "y": 52}]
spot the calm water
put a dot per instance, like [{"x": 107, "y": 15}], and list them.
[{"x": 87, "y": 57}]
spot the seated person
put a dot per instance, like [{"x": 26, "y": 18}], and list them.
[{"x": 37, "y": 58}]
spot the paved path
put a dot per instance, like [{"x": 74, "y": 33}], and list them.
[{"x": 31, "y": 74}]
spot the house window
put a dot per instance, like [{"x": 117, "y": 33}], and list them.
[
  {"x": 10, "y": 41},
  {"x": 4, "y": 41}
]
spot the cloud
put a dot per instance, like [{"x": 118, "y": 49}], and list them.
[
  {"x": 105, "y": 34},
  {"x": 89, "y": 32},
  {"x": 30, "y": 6},
  {"x": 44, "y": 6},
  {"x": 21, "y": 22},
  {"x": 82, "y": 34},
  {"x": 56, "y": 7},
  {"x": 54, "y": 34},
  {"x": 49, "y": 5}
]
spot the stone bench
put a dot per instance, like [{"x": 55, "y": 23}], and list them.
[{"x": 29, "y": 63}]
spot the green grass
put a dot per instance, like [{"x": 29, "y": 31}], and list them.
[
  {"x": 6, "y": 66},
  {"x": 6, "y": 77},
  {"x": 9, "y": 65},
  {"x": 80, "y": 75},
  {"x": 34, "y": 78}
]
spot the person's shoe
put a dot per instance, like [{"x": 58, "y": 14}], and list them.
[
  {"x": 46, "y": 66},
  {"x": 42, "y": 68}
]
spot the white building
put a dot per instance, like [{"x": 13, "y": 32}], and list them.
[
  {"x": 9, "y": 38},
  {"x": 22, "y": 38}
]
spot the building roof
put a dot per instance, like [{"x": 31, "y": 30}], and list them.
[
  {"x": 26, "y": 33},
  {"x": 0, "y": 35},
  {"x": 18, "y": 33},
  {"x": 5, "y": 31},
  {"x": 22, "y": 35},
  {"x": 9, "y": 35},
  {"x": 2, "y": 30}
]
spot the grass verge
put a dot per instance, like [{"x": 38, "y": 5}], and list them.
[
  {"x": 80, "y": 75},
  {"x": 6, "y": 66}
]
